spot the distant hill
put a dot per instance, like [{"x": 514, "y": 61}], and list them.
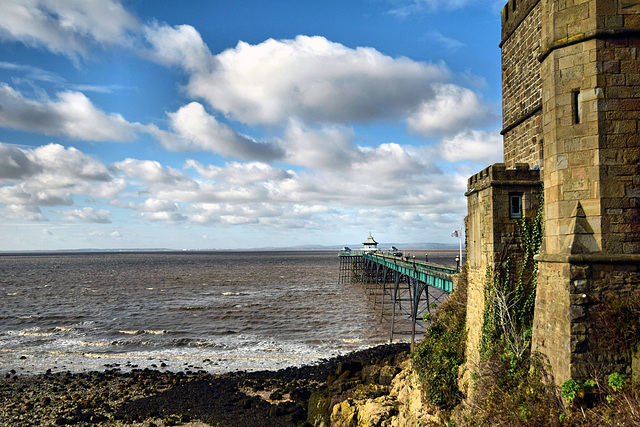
[{"x": 383, "y": 246}]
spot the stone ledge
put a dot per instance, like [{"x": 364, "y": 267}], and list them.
[
  {"x": 498, "y": 175},
  {"x": 600, "y": 258},
  {"x": 588, "y": 35}
]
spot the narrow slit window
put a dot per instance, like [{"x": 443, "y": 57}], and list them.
[
  {"x": 515, "y": 206},
  {"x": 577, "y": 106}
]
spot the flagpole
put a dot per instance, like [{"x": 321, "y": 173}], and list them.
[
  {"x": 460, "y": 236},
  {"x": 458, "y": 233}
]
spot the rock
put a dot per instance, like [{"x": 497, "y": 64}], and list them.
[
  {"x": 378, "y": 412},
  {"x": 344, "y": 414},
  {"x": 407, "y": 389},
  {"x": 319, "y": 409},
  {"x": 371, "y": 374},
  {"x": 387, "y": 374},
  {"x": 353, "y": 366}
]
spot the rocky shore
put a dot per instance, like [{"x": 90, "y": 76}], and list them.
[{"x": 335, "y": 391}]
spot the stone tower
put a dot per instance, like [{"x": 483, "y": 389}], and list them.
[
  {"x": 571, "y": 112},
  {"x": 590, "y": 75}
]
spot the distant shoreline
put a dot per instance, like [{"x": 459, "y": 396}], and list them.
[{"x": 401, "y": 246}]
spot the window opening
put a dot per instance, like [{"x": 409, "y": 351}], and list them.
[
  {"x": 515, "y": 205},
  {"x": 577, "y": 106}
]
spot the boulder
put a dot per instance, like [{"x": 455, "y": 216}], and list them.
[{"x": 345, "y": 414}]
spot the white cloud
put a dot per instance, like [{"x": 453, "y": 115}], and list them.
[
  {"x": 325, "y": 147},
  {"x": 48, "y": 176},
  {"x": 410, "y": 7},
  {"x": 22, "y": 212},
  {"x": 15, "y": 164},
  {"x": 453, "y": 109},
  {"x": 26, "y": 195},
  {"x": 196, "y": 130},
  {"x": 240, "y": 173},
  {"x": 66, "y": 166},
  {"x": 178, "y": 46},
  {"x": 69, "y": 27},
  {"x": 87, "y": 214},
  {"x": 478, "y": 146},
  {"x": 72, "y": 115},
  {"x": 158, "y": 210},
  {"x": 150, "y": 172},
  {"x": 311, "y": 78},
  {"x": 448, "y": 43}
]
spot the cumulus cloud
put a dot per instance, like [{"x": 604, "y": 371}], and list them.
[
  {"x": 307, "y": 93},
  {"x": 67, "y": 166},
  {"x": 72, "y": 114},
  {"x": 150, "y": 172},
  {"x": 240, "y": 173},
  {"x": 70, "y": 27},
  {"x": 15, "y": 164},
  {"x": 87, "y": 214},
  {"x": 22, "y": 212},
  {"x": 196, "y": 130},
  {"x": 478, "y": 146},
  {"x": 313, "y": 79},
  {"x": 49, "y": 176},
  {"x": 324, "y": 147},
  {"x": 178, "y": 46},
  {"x": 160, "y": 210},
  {"x": 452, "y": 110}
]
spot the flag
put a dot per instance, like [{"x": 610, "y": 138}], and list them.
[{"x": 456, "y": 233}]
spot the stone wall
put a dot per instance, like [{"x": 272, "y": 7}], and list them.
[
  {"x": 571, "y": 104},
  {"x": 521, "y": 85},
  {"x": 591, "y": 84},
  {"x": 574, "y": 294},
  {"x": 491, "y": 233},
  {"x": 594, "y": 158}
]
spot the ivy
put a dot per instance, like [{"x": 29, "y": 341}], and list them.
[
  {"x": 438, "y": 358},
  {"x": 510, "y": 298}
]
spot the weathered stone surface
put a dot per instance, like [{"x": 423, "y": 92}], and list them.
[
  {"x": 374, "y": 405},
  {"x": 571, "y": 89}
]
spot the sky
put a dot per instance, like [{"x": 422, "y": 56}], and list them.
[{"x": 219, "y": 124}]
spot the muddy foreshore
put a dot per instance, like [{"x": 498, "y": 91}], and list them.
[{"x": 155, "y": 398}]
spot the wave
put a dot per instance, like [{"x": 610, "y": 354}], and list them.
[
  {"x": 144, "y": 332},
  {"x": 351, "y": 340},
  {"x": 96, "y": 343},
  {"x": 35, "y": 334}
]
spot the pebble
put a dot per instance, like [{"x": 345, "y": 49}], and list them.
[{"x": 145, "y": 397}]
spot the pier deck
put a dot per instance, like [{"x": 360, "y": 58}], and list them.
[{"x": 404, "y": 289}]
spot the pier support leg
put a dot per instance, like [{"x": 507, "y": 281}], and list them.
[{"x": 396, "y": 284}]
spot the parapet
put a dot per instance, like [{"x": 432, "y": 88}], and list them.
[
  {"x": 512, "y": 15},
  {"x": 498, "y": 175}
]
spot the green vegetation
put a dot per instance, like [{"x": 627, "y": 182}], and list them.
[
  {"x": 510, "y": 298},
  {"x": 438, "y": 358},
  {"x": 512, "y": 386}
]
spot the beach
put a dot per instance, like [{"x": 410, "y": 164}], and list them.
[{"x": 148, "y": 397}]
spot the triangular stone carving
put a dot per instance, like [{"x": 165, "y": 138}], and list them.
[{"x": 580, "y": 239}]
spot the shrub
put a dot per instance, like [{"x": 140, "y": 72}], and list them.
[{"x": 437, "y": 359}]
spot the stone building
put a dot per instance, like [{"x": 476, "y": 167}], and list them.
[{"x": 571, "y": 112}]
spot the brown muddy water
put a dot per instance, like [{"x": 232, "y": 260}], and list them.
[{"x": 216, "y": 311}]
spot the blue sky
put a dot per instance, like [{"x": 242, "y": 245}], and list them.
[{"x": 242, "y": 124}]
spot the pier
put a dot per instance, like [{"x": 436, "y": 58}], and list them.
[{"x": 401, "y": 289}]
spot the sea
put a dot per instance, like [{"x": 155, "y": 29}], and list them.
[{"x": 215, "y": 311}]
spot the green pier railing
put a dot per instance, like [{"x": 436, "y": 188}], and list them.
[{"x": 431, "y": 274}]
